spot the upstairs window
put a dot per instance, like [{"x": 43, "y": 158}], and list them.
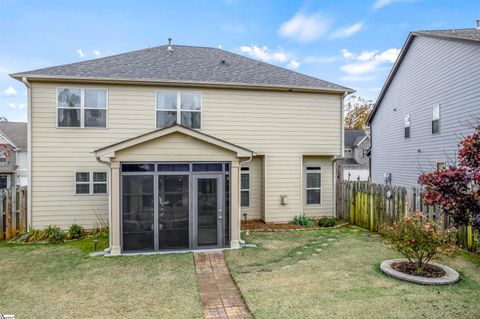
[
  {"x": 178, "y": 108},
  {"x": 82, "y": 108},
  {"x": 407, "y": 126},
  {"x": 314, "y": 185},
  {"x": 436, "y": 119},
  {"x": 245, "y": 187}
]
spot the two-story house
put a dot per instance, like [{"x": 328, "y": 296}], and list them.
[
  {"x": 429, "y": 102},
  {"x": 13, "y": 154},
  {"x": 172, "y": 144},
  {"x": 355, "y": 163}
]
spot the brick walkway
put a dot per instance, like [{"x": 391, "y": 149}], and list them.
[{"x": 219, "y": 295}]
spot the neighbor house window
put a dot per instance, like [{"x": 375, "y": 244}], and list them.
[
  {"x": 89, "y": 183},
  {"x": 178, "y": 108},
  {"x": 314, "y": 185},
  {"x": 407, "y": 125},
  {"x": 3, "y": 159},
  {"x": 81, "y": 107},
  {"x": 436, "y": 119},
  {"x": 245, "y": 187},
  {"x": 440, "y": 166}
]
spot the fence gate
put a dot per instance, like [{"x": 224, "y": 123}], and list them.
[{"x": 13, "y": 212}]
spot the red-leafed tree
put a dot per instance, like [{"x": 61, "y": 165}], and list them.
[{"x": 457, "y": 188}]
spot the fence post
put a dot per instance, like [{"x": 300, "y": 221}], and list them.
[
  {"x": 2, "y": 194},
  {"x": 8, "y": 217}
]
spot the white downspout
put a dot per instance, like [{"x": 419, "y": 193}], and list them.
[
  {"x": 108, "y": 164},
  {"x": 29, "y": 151}
]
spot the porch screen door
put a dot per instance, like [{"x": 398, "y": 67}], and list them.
[{"x": 208, "y": 211}]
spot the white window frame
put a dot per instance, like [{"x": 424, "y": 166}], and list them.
[
  {"x": 82, "y": 108},
  {"x": 179, "y": 110},
  {"x": 90, "y": 183},
  {"x": 433, "y": 118},
  {"x": 312, "y": 171},
  {"x": 409, "y": 125},
  {"x": 245, "y": 171}
]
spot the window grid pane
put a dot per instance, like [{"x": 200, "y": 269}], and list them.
[
  {"x": 245, "y": 199},
  {"x": 95, "y": 99},
  {"x": 166, "y": 101},
  {"x": 245, "y": 181}
]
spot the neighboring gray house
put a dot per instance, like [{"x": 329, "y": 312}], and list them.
[
  {"x": 355, "y": 163},
  {"x": 13, "y": 154},
  {"x": 431, "y": 99}
]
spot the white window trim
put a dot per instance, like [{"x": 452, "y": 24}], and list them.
[
  {"x": 90, "y": 183},
  {"x": 245, "y": 172},
  {"x": 439, "y": 117},
  {"x": 317, "y": 171},
  {"x": 82, "y": 108},
  {"x": 409, "y": 125},
  {"x": 179, "y": 110}
]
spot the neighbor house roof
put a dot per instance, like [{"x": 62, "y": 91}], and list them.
[
  {"x": 15, "y": 132},
  {"x": 184, "y": 65},
  {"x": 109, "y": 151},
  {"x": 470, "y": 35},
  {"x": 353, "y": 137}
]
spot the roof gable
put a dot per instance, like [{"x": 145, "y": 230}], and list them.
[
  {"x": 109, "y": 151},
  {"x": 184, "y": 64},
  {"x": 471, "y": 35}
]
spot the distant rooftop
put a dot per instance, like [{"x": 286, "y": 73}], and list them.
[
  {"x": 184, "y": 65},
  {"x": 353, "y": 137},
  {"x": 16, "y": 132}
]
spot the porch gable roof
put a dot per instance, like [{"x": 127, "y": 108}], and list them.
[{"x": 109, "y": 151}]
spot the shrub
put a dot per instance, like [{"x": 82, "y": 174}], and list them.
[
  {"x": 327, "y": 222},
  {"x": 55, "y": 235},
  {"x": 75, "y": 231},
  {"x": 304, "y": 221},
  {"x": 418, "y": 239}
]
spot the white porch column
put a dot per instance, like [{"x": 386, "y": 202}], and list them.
[
  {"x": 115, "y": 197},
  {"x": 235, "y": 205}
]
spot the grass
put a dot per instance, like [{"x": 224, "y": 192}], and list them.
[
  {"x": 59, "y": 281},
  {"x": 335, "y": 273}
]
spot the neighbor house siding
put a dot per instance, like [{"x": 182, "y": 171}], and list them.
[
  {"x": 280, "y": 125},
  {"x": 434, "y": 71}
]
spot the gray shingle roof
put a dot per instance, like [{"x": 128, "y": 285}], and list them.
[
  {"x": 352, "y": 137},
  {"x": 185, "y": 64},
  {"x": 462, "y": 34},
  {"x": 16, "y": 132}
]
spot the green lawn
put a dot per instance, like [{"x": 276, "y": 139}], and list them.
[
  {"x": 335, "y": 274},
  {"x": 61, "y": 281}
]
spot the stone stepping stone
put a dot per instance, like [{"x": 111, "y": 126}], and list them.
[
  {"x": 324, "y": 244},
  {"x": 319, "y": 249}
]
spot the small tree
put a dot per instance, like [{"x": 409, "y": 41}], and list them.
[
  {"x": 357, "y": 110},
  {"x": 457, "y": 188}
]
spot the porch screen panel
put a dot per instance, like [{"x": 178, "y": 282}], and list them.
[
  {"x": 207, "y": 208},
  {"x": 173, "y": 211},
  {"x": 138, "y": 212}
]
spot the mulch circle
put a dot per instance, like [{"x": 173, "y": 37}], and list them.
[{"x": 410, "y": 268}]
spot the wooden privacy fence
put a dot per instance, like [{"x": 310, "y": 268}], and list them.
[
  {"x": 373, "y": 206},
  {"x": 13, "y": 212}
]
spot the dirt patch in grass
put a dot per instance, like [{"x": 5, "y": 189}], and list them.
[{"x": 411, "y": 268}]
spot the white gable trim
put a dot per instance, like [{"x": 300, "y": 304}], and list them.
[{"x": 109, "y": 151}]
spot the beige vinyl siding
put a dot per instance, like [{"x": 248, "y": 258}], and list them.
[
  {"x": 175, "y": 147},
  {"x": 280, "y": 125},
  {"x": 254, "y": 210},
  {"x": 326, "y": 206}
]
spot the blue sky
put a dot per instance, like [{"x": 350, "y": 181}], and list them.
[{"x": 353, "y": 43}]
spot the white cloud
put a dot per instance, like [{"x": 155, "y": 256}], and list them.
[
  {"x": 80, "y": 53},
  {"x": 378, "y": 4},
  {"x": 294, "y": 64},
  {"x": 348, "y": 31},
  {"x": 367, "y": 63},
  {"x": 10, "y": 91},
  {"x": 347, "y": 54},
  {"x": 265, "y": 54},
  {"x": 15, "y": 106},
  {"x": 389, "y": 55},
  {"x": 97, "y": 53},
  {"x": 305, "y": 28},
  {"x": 366, "y": 55}
]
